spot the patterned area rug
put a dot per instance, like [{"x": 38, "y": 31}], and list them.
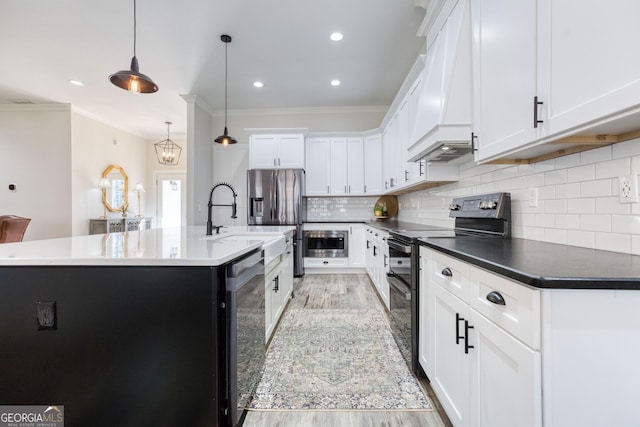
[{"x": 336, "y": 360}]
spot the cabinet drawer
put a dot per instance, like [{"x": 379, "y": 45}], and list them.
[
  {"x": 520, "y": 313},
  {"x": 326, "y": 262},
  {"x": 450, "y": 273}
]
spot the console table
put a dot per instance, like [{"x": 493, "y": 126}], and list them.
[{"x": 116, "y": 225}]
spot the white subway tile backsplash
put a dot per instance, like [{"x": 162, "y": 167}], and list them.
[
  {"x": 611, "y": 205},
  {"x": 629, "y": 224},
  {"x": 557, "y": 206},
  {"x": 596, "y": 155},
  {"x": 595, "y": 222},
  {"x": 581, "y": 173},
  {"x": 555, "y": 177},
  {"x": 555, "y": 236},
  {"x": 613, "y": 168},
  {"x": 577, "y": 198},
  {"x": 567, "y": 191},
  {"x": 579, "y": 206},
  {"x": 568, "y": 222},
  {"x": 586, "y": 239},
  {"x": 626, "y": 149},
  {"x": 613, "y": 242},
  {"x": 598, "y": 188}
]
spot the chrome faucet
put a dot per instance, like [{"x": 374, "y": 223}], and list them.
[{"x": 234, "y": 208}]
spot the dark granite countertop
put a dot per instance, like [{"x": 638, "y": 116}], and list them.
[{"x": 545, "y": 265}]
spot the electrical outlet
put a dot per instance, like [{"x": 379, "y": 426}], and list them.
[
  {"x": 628, "y": 188},
  {"x": 533, "y": 197}
]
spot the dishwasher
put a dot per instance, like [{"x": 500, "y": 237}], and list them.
[{"x": 245, "y": 331}]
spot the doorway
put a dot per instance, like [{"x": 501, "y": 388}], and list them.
[{"x": 171, "y": 193}]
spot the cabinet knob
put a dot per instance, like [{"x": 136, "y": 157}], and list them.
[
  {"x": 496, "y": 298},
  {"x": 447, "y": 272},
  {"x": 325, "y": 262}
]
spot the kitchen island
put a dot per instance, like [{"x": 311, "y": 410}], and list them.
[{"x": 126, "y": 328}]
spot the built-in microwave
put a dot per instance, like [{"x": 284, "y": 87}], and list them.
[{"x": 326, "y": 243}]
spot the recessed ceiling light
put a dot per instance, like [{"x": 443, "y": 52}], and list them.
[
  {"x": 76, "y": 82},
  {"x": 445, "y": 148},
  {"x": 336, "y": 37},
  {"x": 335, "y": 82},
  {"x": 258, "y": 84}
]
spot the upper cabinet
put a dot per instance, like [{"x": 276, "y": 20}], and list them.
[
  {"x": 556, "y": 72},
  {"x": 277, "y": 151},
  {"x": 343, "y": 165}
]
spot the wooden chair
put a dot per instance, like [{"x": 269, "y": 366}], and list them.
[{"x": 12, "y": 228}]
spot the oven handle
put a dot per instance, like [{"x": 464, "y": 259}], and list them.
[
  {"x": 399, "y": 285},
  {"x": 398, "y": 246}
]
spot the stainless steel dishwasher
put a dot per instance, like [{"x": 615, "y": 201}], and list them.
[{"x": 245, "y": 331}]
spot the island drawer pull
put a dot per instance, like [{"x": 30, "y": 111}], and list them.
[
  {"x": 496, "y": 298},
  {"x": 447, "y": 272}
]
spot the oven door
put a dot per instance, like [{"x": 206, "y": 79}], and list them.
[{"x": 400, "y": 309}]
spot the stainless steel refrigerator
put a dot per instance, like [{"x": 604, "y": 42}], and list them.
[{"x": 276, "y": 197}]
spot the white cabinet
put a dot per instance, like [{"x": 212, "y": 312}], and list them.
[
  {"x": 534, "y": 51},
  {"x": 278, "y": 287},
  {"x": 273, "y": 151},
  {"x": 483, "y": 358},
  {"x": 377, "y": 261},
  {"x": 347, "y": 166},
  {"x": 373, "y": 165},
  {"x": 504, "y": 49},
  {"x": 392, "y": 154},
  {"x": 357, "y": 245},
  {"x": 587, "y": 72},
  {"x": 318, "y": 170}
]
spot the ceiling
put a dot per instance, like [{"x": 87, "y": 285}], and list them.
[{"x": 283, "y": 43}]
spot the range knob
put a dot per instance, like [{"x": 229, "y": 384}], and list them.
[
  {"x": 492, "y": 204},
  {"x": 454, "y": 207}
]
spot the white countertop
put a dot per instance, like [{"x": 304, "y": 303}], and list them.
[{"x": 188, "y": 246}]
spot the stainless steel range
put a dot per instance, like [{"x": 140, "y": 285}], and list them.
[{"x": 487, "y": 215}]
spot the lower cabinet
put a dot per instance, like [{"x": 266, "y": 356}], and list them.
[
  {"x": 278, "y": 289},
  {"x": 482, "y": 374},
  {"x": 377, "y": 261}
]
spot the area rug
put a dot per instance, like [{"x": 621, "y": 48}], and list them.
[{"x": 336, "y": 360}]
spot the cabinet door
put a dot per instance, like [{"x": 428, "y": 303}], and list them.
[
  {"x": 588, "y": 70},
  {"x": 373, "y": 165},
  {"x": 504, "y": 56},
  {"x": 263, "y": 151},
  {"x": 269, "y": 295},
  {"x": 339, "y": 165},
  {"x": 450, "y": 373},
  {"x": 426, "y": 313},
  {"x": 391, "y": 155},
  {"x": 357, "y": 245},
  {"x": 291, "y": 151},
  {"x": 318, "y": 166},
  {"x": 355, "y": 168},
  {"x": 506, "y": 377}
]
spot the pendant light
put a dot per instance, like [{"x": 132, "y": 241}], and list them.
[
  {"x": 132, "y": 80},
  {"x": 168, "y": 152},
  {"x": 225, "y": 139}
]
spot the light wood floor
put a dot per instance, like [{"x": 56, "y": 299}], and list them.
[{"x": 324, "y": 291}]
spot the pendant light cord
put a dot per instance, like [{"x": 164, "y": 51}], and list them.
[
  {"x": 226, "y": 62},
  {"x": 134, "y": 28}
]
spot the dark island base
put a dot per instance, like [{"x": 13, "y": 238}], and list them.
[{"x": 132, "y": 346}]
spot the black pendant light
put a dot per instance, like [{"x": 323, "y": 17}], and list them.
[
  {"x": 225, "y": 139},
  {"x": 132, "y": 80}
]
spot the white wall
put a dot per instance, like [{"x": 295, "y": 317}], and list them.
[
  {"x": 95, "y": 146},
  {"x": 578, "y": 198},
  {"x": 35, "y": 142},
  {"x": 200, "y": 159}
]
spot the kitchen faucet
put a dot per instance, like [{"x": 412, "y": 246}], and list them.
[{"x": 233, "y": 205}]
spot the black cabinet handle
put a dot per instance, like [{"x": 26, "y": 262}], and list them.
[
  {"x": 458, "y": 320},
  {"x": 368, "y": 244},
  {"x": 375, "y": 252},
  {"x": 496, "y": 298},
  {"x": 277, "y": 281},
  {"x": 385, "y": 261},
  {"x": 473, "y": 142},
  {"x": 421, "y": 165},
  {"x": 466, "y": 337},
  {"x": 406, "y": 176},
  {"x": 536, "y": 103},
  {"x": 447, "y": 272},
  {"x": 325, "y": 262}
]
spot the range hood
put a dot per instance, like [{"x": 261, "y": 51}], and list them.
[
  {"x": 443, "y": 108},
  {"x": 447, "y": 152}
]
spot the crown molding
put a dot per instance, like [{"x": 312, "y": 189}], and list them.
[
  {"x": 34, "y": 107},
  {"x": 303, "y": 110}
]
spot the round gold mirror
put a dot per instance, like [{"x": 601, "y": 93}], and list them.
[{"x": 115, "y": 196}]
